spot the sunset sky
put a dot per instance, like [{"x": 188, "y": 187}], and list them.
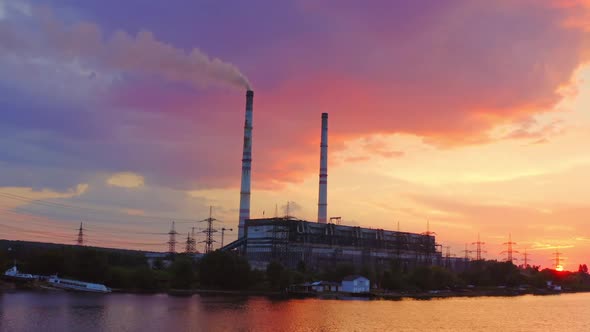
[{"x": 126, "y": 115}]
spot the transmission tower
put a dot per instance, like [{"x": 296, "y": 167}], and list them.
[
  {"x": 172, "y": 240},
  {"x": 448, "y": 256},
  {"x": 428, "y": 248},
  {"x": 191, "y": 246},
  {"x": 526, "y": 258},
  {"x": 223, "y": 229},
  {"x": 466, "y": 252},
  {"x": 188, "y": 248},
  {"x": 80, "y": 240},
  {"x": 478, "y": 248},
  {"x": 557, "y": 256},
  {"x": 209, "y": 232},
  {"x": 509, "y": 251}
]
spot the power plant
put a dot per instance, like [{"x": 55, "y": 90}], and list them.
[{"x": 318, "y": 244}]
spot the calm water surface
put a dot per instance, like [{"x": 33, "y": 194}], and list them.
[{"x": 55, "y": 311}]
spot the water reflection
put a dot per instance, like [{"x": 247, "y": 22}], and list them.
[{"x": 59, "y": 311}]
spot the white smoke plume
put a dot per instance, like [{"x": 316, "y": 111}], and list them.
[{"x": 39, "y": 34}]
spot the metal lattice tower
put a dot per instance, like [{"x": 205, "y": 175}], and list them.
[
  {"x": 191, "y": 245},
  {"x": 478, "y": 248},
  {"x": 448, "y": 256},
  {"x": 209, "y": 232},
  {"x": 188, "y": 247},
  {"x": 509, "y": 251},
  {"x": 172, "y": 239},
  {"x": 80, "y": 240},
  {"x": 427, "y": 247},
  {"x": 466, "y": 252},
  {"x": 557, "y": 256},
  {"x": 223, "y": 229}
]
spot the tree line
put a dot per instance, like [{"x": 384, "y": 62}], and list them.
[{"x": 228, "y": 271}]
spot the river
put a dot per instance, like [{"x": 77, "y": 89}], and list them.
[{"x": 62, "y": 311}]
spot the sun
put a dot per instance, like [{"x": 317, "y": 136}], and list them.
[{"x": 559, "y": 268}]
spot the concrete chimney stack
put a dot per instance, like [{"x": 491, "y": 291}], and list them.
[
  {"x": 246, "y": 165},
  {"x": 323, "y": 195}
]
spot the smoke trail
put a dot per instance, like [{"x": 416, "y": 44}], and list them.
[{"x": 40, "y": 34}]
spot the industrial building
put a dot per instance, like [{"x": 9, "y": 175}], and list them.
[
  {"x": 290, "y": 241},
  {"x": 319, "y": 244}
]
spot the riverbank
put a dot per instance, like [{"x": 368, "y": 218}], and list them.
[
  {"x": 484, "y": 292},
  {"x": 376, "y": 295}
]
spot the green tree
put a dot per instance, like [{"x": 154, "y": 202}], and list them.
[
  {"x": 224, "y": 270},
  {"x": 183, "y": 273},
  {"x": 144, "y": 279},
  {"x": 274, "y": 270}
]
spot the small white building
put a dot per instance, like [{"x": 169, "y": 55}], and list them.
[{"x": 355, "y": 284}]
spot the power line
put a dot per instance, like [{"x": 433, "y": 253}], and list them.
[
  {"x": 96, "y": 228},
  {"x": 47, "y": 203}
]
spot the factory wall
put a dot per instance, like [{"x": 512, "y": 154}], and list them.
[{"x": 291, "y": 241}]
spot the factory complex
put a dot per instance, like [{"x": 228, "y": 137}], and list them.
[{"x": 320, "y": 244}]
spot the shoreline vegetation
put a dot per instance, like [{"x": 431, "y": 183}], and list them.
[
  {"x": 224, "y": 273},
  {"x": 375, "y": 295}
]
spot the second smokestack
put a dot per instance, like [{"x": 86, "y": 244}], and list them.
[{"x": 323, "y": 194}]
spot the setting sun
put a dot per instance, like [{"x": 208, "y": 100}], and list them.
[{"x": 559, "y": 268}]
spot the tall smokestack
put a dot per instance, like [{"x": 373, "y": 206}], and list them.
[
  {"x": 246, "y": 165},
  {"x": 323, "y": 195}
]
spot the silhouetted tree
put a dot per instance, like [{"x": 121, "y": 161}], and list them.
[
  {"x": 224, "y": 270},
  {"x": 183, "y": 273},
  {"x": 273, "y": 274}
]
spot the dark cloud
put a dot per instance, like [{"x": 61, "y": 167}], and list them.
[{"x": 448, "y": 73}]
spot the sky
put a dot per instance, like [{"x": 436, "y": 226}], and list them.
[{"x": 469, "y": 116}]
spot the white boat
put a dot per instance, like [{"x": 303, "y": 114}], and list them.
[
  {"x": 76, "y": 285},
  {"x": 13, "y": 274}
]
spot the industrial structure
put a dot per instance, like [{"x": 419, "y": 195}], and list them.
[
  {"x": 323, "y": 191},
  {"x": 509, "y": 251},
  {"x": 80, "y": 240},
  {"x": 209, "y": 232},
  {"x": 320, "y": 244},
  {"x": 246, "y": 165},
  {"x": 290, "y": 241},
  {"x": 172, "y": 239}
]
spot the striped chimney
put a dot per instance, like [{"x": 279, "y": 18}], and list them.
[
  {"x": 323, "y": 195},
  {"x": 246, "y": 165}
]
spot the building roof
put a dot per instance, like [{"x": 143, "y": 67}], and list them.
[
  {"x": 324, "y": 283},
  {"x": 353, "y": 277}
]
